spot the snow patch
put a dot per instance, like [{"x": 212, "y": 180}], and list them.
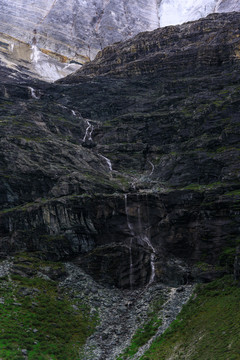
[{"x": 173, "y": 12}]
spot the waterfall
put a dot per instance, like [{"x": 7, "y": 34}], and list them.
[
  {"x": 126, "y": 212},
  {"x": 73, "y": 112},
  {"x": 153, "y": 167},
  {"x": 88, "y": 132},
  {"x": 108, "y": 162},
  {"x": 33, "y": 93},
  {"x": 130, "y": 246},
  {"x": 131, "y": 266},
  {"x": 144, "y": 236}
]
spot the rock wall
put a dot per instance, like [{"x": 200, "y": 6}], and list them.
[
  {"x": 152, "y": 238},
  {"x": 129, "y": 168}
]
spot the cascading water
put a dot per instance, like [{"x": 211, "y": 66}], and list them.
[
  {"x": 33, "y": 93},
  {"x": 108, "y": 162},
  {"x": 153, "y": 167},
  {"x": 130, "y": 246},
  {"x": 131, "y": 266},
  {"x": 88, "y": 132},
  {"x": 144, "y": 236}
]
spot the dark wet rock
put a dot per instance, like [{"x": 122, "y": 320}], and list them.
[
  {"x": 237, "y": 265},
  {"x": 153, "y": 188}
]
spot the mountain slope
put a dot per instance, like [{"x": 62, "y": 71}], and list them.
[
  {"x": 152, "y": 142},
  {"x": 206, "y": 328},
  {"x": 128, "y": 170},
  {"x": 84, "y": 27}
]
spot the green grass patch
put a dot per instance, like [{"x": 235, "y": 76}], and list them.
[
  {"x": 207, "y": 328},
  {"x": 203, "y": 187},
  {"x": 37, "y": 316},
  {"x": 233, "y": 193},
  {"x": 228, "y": 254}
]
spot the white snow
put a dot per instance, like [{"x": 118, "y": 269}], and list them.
[{"x": 173, "y": 12}]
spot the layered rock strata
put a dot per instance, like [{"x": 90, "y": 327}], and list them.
[{"x": 131, "y": 166}]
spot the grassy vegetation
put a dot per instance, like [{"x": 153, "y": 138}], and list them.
[
  {"x": 227, "y": 256},
  {"x": 38, "y": 317},
  {"x": 203, "y": 187},
  {"x": 208, "y": 327},
  {"x": 146, "y": 332},
  {"x": 233, "y": 193}
]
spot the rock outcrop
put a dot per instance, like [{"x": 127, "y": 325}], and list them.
[
  {"x": 130, "y": 166},
  {"x": 29, "y": 61}
]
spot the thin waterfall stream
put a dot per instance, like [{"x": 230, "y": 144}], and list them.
[
  {"x": 153, "y": 167},
  {"x": 33, "y": 93},
  {"x": 130, "y": 246},
  {"x": 88, "y": 132},
  {"x": 108, "y": 161},
  {"x": 142, "y": 234},
  {"x": 88, "y": 137}
]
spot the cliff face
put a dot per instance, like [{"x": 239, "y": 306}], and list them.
[
  {"x": 131, "y": 166},
  {"x": 28, "y": 61},
  {"x": 84, "y": 27}
]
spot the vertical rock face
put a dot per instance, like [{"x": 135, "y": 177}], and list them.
[
  {"x": 85, "y": 27},
  {"x": 131, "y": 166},
  {"x": 29, "y": 61}
]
